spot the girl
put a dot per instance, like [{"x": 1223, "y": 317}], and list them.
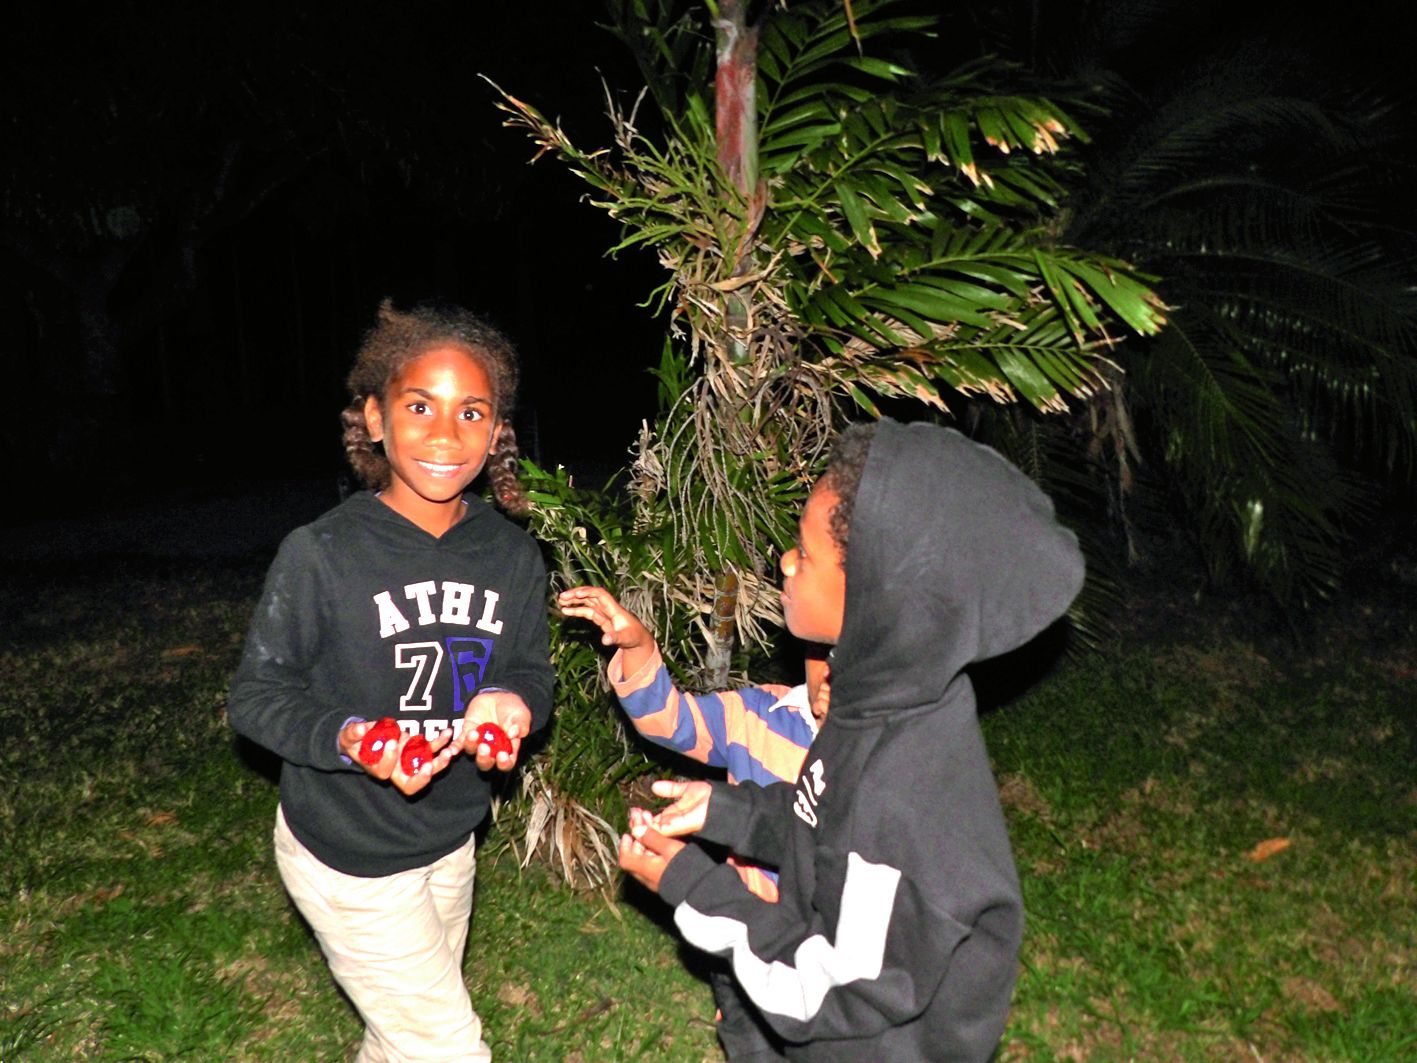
[{"x": 410, "y": 601}]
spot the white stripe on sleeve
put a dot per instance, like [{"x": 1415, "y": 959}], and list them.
[{"x": 797, "y": 989}]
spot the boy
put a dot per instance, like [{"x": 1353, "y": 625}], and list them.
[
  {"x": 897, "y": 931},
  {"x": 758, "y": 734}
]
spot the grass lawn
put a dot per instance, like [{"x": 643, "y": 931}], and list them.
[{"x": 1217, "y": 840}]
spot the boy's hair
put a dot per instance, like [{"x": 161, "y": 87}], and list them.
[
  {"x": 843, "y": 476},
  {"x": 399, "y": 337}
]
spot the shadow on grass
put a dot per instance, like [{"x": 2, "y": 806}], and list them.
[
  {"x": 697, "y": 963},
  {"x": 1000, "y": 680},
  {"x": 256, "y": 758}
]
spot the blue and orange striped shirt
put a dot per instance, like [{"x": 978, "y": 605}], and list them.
[{"x": 758, "y": 734}]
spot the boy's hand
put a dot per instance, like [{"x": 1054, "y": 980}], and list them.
[
  {"x": 819, "y": 683},
  {"x": 821, "y": 700},
  {"x": 688, "y": 812},
  {"x": 388, "y": 767},
  {"x": 618, "y": 626},
  {"x": 509, "y": 712},
  {"x": 644, "y": 852}
]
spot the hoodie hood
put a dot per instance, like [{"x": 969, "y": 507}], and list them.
[
  {"x": 394, "y": 531},
  {"x": 955, "y": 556}
]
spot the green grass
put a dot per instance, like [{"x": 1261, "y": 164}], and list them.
[
  {"x": 143, "y": 920},
  {"x": 1138, "y": 789}
]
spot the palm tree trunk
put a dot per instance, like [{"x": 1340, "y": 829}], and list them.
[
  {"x": 721, "y": 627},
  {"x": 735, "y": 97},
  {"x": 736, "y": 130}
]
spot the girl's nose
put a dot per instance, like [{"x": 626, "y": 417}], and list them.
[
  {"x": 443, "y": 426},
  {"x": 788, "y": 564}
]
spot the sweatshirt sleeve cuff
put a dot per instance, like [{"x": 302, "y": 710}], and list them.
[
  {"x": 726, "y": 809},
  {"x": 683, "y": 873},
  {"x": 346, "y": 761}
]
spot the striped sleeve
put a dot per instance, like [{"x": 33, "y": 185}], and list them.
[
  {"x": 734, "y": 729},
  {"x": 667, "y": 716},
  {"x": 763, "y": 746},
  {"x": 761, "y": 882}
]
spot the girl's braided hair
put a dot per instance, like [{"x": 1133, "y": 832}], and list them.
[{"x": 399, "y": 337}]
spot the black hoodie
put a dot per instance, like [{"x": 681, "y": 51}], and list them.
[
  {"x": 365, "y": 614},
  {"x": 897, "y": 931}
]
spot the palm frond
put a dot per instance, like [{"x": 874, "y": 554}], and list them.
[
  {"x": 671, "y": 45},
  {"x": 1258, "y": 195}
]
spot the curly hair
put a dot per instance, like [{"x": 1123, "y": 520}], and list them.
[
  {"x": 843, "y": 477},
  {"x": 399, "y": 337}
]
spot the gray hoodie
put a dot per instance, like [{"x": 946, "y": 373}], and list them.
[{"x": 897, "y": 931}]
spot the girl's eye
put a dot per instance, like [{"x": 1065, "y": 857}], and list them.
[
  {"x": 472, "y": 414},
  {"x": 418, "y": 407}
]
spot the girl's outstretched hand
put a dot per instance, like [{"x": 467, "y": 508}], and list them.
[
  {"x": 389, "y": 767},
  {"x": 688, "y": 812},
  {"x": 644, "y": 852},
  {"x": 509, "y": 712}
]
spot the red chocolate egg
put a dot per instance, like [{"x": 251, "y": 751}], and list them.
[
  {"x": 494, "y": 738},
  {"x": 416, "y": 753},
  {"x": 384, "y": 732}
]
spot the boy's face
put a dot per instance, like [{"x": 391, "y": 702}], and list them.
[{"x": 814, "y": 578}]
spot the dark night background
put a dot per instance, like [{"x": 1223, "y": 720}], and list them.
[
  {"x": 203, "y": 206},
  {"x": 241, "y": 187}
]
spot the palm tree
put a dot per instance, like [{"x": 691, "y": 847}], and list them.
[
  {"x": 836, "y": 230},
  {"x": 1261, "y": 185}
]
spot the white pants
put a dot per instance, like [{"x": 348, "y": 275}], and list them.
[{"x": 395, "y": 946}]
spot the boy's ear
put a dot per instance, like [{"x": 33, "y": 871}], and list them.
[{"x": 374, "y": 419}]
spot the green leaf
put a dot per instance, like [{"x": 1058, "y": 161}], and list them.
[
  {"x": 879, "y": 68},
  {"x": 969, "y": 294},
  {"x": 861, "y": 321},
  {"x": 807, "y": 225},
  {"x": 954, "y": 130},
  {"x": 863, "y": 400},
  {"x": 855, "y": 210},
  {"x": 933, "y": 303},
  {"x": 1024, "y": 375}
]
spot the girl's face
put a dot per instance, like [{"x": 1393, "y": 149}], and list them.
[
  {"x": 438, "y": 422},
  {"x": 814, "y": 578}
]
